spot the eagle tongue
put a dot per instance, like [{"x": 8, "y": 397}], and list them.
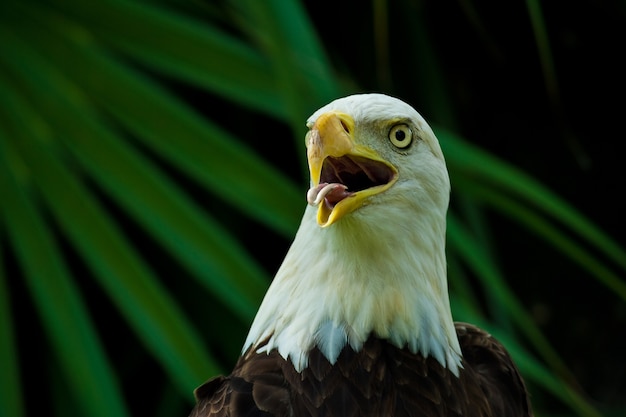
[{"x": 332, "y": 193}]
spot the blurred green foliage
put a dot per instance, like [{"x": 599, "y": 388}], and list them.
[{"x": 150, "y": 159}]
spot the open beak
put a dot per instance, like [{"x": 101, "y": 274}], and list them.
[{"x": 344, "y": 174}]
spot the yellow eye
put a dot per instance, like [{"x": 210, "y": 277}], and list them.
[{"x": 401, "y": 136}]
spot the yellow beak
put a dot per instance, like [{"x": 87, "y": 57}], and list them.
[{"x": 344, "y": 174}]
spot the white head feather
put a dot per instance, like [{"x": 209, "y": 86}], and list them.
[{"x": 378, "y": 270}]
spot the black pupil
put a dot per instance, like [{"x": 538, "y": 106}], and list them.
[{"x": 400, "y": 135}]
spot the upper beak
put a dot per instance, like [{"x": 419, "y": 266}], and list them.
[
  {"x": 343, "y": 172},
  {"x": 330, "y": 136}
]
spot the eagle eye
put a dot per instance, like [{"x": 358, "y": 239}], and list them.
[{"x": 401, "y": 136}]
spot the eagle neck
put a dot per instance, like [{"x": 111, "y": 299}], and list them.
[{"x": 339, "y": 285}]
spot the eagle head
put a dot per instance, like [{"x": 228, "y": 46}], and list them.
[{"x": 360, "y": 146}]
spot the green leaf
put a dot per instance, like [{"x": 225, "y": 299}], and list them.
[
  {"x": 171, "y": 129},
  {"x": 549, "y": 233},
  {"x": 136, "y": 292},
  {"x": 217, "y": 260},
  {"x": 473, "y": 254},
  {"x": 303, "y": 73},
  {"x": 64, "y": 315},
  {"x": 191, "y": 51},
  {"x": 11, "y": 396},
  {"x": 468, "y": 162}
]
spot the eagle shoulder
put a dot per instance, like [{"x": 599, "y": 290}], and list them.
[{"x": 489, "y": 365}]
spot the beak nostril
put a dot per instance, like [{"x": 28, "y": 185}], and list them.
[{"x": 345, "y": 126}]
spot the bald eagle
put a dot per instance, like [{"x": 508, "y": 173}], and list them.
[{"x": 357, "y": 320}]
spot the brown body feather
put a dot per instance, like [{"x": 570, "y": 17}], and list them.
[{"x": 379, "y": 380}]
